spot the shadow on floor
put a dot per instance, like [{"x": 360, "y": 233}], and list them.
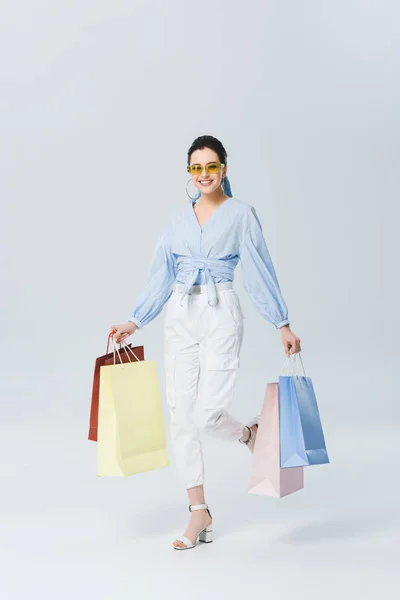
[{"x": 347, "y": 525}]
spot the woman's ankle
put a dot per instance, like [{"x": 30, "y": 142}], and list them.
[{"x": 196, "y": 495}]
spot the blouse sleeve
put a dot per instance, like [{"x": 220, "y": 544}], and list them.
[
  {"x": 258, "y": 273},
  {"x": 158, "y": 288}
]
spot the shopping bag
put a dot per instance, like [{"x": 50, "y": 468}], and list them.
[
  {"x": 267, "y": 478},
  {"x": 302, "y": 441},
  {"x": 131, "y": 430},
  {"x": 107, "y": 359}
]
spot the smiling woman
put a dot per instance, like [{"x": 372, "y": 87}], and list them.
[
  {"x": 207, "y": 164},
  {"x": 193, "y": 270}
]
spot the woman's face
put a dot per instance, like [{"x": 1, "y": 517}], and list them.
[{"x": 207, "y": 183}]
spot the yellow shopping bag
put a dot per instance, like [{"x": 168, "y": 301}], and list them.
[{"x": 131, "y": 430}]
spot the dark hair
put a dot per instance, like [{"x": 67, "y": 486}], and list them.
[{"x": 208, "y": 141}]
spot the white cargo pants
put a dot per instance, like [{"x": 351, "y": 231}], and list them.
[{"x": 201, "y": 356}]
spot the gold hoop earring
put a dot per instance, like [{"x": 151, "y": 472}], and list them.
[{"x": 191, "y": 197}]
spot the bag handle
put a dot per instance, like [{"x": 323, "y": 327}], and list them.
[
  {"x": 293, "y": 363},
  {"x": 111, "y": 336}
]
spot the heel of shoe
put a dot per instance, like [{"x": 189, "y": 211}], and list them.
[{"x": 206, "y": 535}]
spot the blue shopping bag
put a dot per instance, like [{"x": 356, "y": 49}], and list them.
[{"x": 302, "y": 441}]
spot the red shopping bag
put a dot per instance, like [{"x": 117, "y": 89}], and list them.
[{"x": 108, "y": 359}]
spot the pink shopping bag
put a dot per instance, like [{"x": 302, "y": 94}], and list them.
[{"x": 267, "y": 478}]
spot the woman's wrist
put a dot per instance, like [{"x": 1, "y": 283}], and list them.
[{"x": 133, "y": 326}]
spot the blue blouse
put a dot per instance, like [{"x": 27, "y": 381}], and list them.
[{"x": 193, "y": 255}]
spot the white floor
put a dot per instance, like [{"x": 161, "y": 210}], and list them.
[{"x": 65, "y": 533}]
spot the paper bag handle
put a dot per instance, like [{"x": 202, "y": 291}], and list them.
[
  {"x": 126, "y": 348},
  {"x": 293, "y": 363}
]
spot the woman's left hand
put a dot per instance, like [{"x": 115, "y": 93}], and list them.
[{"x": 290, "y": 341}]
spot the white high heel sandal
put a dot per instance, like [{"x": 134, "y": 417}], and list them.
[{"x": 205, "y": 535}]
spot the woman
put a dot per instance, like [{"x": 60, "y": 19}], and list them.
[{"x": 193, "y": 269}]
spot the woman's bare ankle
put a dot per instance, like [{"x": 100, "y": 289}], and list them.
[{"x": 196, "y": 495}]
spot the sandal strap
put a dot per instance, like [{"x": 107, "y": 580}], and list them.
[
  {"x": 197, "y": 506},
  {"x": 186, "y": 541}
]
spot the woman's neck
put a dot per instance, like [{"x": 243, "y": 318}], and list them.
[{"x": 214, "y": 198}]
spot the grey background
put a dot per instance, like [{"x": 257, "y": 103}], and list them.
[{"x": 100, "y": 102}]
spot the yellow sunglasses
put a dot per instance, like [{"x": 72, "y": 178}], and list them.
[{"x": 211, "y": 168}]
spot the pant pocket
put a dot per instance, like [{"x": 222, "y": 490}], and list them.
[
  {"x": 235, "y": 307},
  {"x": 219, "y": 381}
]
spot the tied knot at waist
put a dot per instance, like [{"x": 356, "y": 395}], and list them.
[{"x": 190, "y": 266}]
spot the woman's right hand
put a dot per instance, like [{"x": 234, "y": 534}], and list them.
[{"x": 121, "y": 332}]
